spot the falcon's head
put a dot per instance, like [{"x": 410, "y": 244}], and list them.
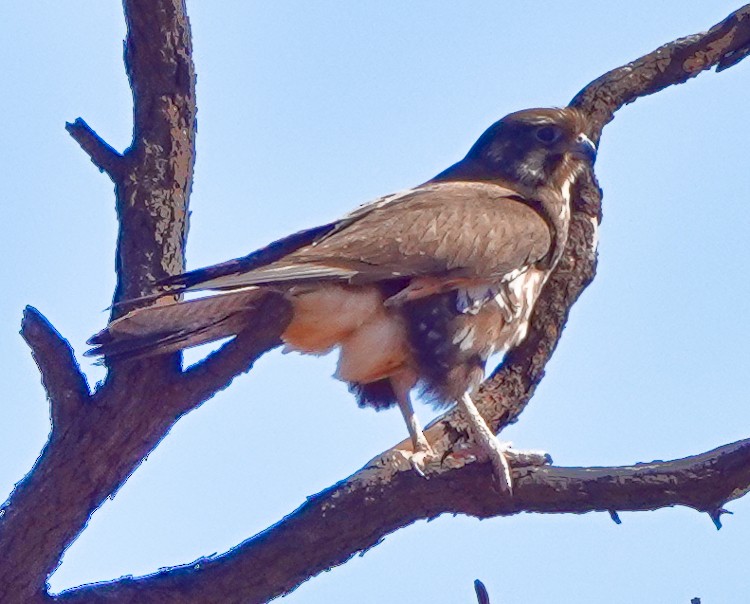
[{"x": 533, "y": 148}]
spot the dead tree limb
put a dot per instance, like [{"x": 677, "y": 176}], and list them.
[
  {"x": 102, "y": 155},
  {"x": 332, "y": 526},
  {"x": 99, "y": 439}
]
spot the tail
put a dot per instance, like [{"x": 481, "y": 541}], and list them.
[{"x": 173, "y": 326}]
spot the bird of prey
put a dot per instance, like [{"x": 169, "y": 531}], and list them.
[{"x": 415, "y": 289}]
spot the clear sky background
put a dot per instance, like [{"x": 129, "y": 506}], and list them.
[{"x": 307, "y": 109}]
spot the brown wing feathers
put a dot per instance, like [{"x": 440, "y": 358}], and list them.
[
  {"x": 453, "y": 230},
  {"x": 262, "y": 257},
  {"x": 472, "y": 230}
]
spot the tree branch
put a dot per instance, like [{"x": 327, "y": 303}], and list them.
[
  {"x": 387, "y": 495},
  {"x": 103, "y": 155},
  {"x": 354, "y": 516},
  {"x": 152, "y": 201},
  {"x": 62, "y": 379},
  {"x": 140, "y": 400},
  {"x": 482, "y": 596},
  {"x": 91, "y": 458},
  {"x": 723, "y": 46}
]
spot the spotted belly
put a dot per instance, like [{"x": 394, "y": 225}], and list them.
[{"x": 452, "y": 335}]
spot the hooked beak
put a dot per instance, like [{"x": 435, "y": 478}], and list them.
[{"x": 584, "y": 148}]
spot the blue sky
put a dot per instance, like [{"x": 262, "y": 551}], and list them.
[{"x": 308, "y": 109}]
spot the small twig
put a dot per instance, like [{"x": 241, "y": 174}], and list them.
[
  {"x": 63, "y": 381},
  {"x": 102, "y": 154},
  {"x": 482, "y": 596},
  {"x": 716, "y": 516}
]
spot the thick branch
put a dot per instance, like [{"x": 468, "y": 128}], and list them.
[
  {"x": 94, "y": 456},
  {"x": 91, "y": 458},
  {"x": 103, "y": 156},
  {"x": 152, "y": 201},
  {"x": 355, "y": 515}
]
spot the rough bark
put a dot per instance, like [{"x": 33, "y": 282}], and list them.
[
  {"x": 351, "y": 517},
  {"x": 98, "y": 439}
]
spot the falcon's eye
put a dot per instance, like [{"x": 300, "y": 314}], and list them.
[{"x": 548, "y": 134}]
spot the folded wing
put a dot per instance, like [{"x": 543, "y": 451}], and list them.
[
  {"x": 453, "y": 231},
  {"x": 457, "y": 229}
]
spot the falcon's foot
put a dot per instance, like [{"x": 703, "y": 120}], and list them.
[
  {"x": 421, "y": 454},
  {"x": 420, "y": 458},
  {"x": 499, "y": 453}
]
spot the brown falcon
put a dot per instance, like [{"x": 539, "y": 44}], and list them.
[{"x": 415, "y": 289}]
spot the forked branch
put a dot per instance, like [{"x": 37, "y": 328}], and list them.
[{"x": 101, "y": 446}]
